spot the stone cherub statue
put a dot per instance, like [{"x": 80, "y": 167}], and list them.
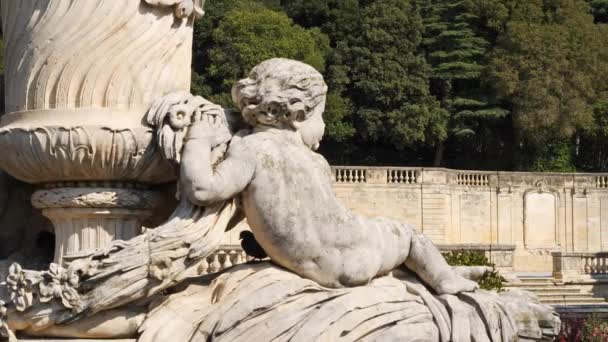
[
  {"x": 337, "y": 259},
  {"x": 286, "y": 188}
]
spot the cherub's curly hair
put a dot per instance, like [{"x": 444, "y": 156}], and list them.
[{"x": 279, "y": 90}]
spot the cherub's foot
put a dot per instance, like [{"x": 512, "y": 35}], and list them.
[{"x": 455, "y": 284}]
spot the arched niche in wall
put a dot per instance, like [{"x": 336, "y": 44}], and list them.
[{"x": 541, "y": 205}]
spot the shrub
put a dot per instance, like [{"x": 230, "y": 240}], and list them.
[
  {"x": 589, "y": 329},
  {"x": 490, "y": 281}
]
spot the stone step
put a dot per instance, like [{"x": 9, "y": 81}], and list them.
[
  {"x": 535, "y": 280},
  {"x": 572, "y": 301},
  {"x": 542, "y": 296},
  {"x": 553, "y": 289},
  {"x": 536, "y": 284}
]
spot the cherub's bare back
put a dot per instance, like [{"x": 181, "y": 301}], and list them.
[{"x": 303, "y": 226}]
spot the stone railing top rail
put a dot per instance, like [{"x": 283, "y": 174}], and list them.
[
  {"x": 476, "y": 247},
  {"x": 470, "y": 178},
  {"x": 580, "y": 255}
]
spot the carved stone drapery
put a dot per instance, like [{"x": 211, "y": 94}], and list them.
[{"x": 80, "y": 77}]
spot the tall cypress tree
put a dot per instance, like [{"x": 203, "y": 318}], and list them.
[{"x": 457, "y": 55}]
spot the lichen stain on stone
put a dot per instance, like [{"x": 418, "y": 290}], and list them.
[{"x": 267, "y": 161}]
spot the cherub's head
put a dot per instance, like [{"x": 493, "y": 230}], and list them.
[{"x": 286, "y": 94}]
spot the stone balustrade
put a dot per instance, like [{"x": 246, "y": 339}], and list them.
[
  {"x": 229, "y": 255},
  {"x": 580, "y": 266},
  {"x": 539, "y": 213},
  {"x": 224, "y": 257}
]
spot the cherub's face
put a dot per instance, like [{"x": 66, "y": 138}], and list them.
[{"x": 312, "y": 130}]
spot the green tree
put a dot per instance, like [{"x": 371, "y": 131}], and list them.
[
  {"x": 593, "y": 146},
  {"x": 308, "y": 13},
  {"x": 457, "y": 55},
  {"x": 547, "y": 67},
  {"x": 376, "y": 64},
  {"x": 248, "y": 34},
  {"x": 599, "y": 9}
]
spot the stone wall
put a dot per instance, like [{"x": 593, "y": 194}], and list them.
[{"x": 539, "y": 213}]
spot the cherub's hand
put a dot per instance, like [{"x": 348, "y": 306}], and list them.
[{"x": 209, "y": 124}]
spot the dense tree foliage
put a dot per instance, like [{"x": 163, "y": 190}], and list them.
[
  {"x": 457, "y": 54},
  {"x": 378, "y": 67},
  {"x": 480, "y": 84}
]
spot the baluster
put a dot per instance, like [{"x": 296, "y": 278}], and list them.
[
  {"x": 227, "y": 262},
  {"x": 587, "y": 267},
  {"x": 204, "y": 267},
  {"x": 239, "y": 258},
  {"x": 604, "y": 266},
  {"x": 215, "y": 264},
  {"x": 593, "y": 265},
  {"x": 389, "y": 175},
  {"x": 597, "y": 266}
]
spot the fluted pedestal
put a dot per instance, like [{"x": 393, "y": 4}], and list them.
[{"x": 87, "y": 218}]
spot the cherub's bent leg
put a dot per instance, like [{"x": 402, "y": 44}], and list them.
[{"x": 426, "y": 260}]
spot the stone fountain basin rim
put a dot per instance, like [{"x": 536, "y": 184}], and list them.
[
  {"x": 74, "y": 117},
  {"x": 81, "y": 144},
  {"x": 107, "y": 198}
]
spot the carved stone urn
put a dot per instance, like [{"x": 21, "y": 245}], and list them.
[{"x": 80, "y": 77}]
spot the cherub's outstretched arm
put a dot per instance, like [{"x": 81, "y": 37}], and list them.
[{"x": 204, "y": 184}]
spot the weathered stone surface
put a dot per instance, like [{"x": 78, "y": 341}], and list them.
[
  {"x": 261, "y": 302},
  {"x": 130, "y": 121}
]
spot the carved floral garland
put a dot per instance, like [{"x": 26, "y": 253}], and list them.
[{"x": 24, "y": 286}]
